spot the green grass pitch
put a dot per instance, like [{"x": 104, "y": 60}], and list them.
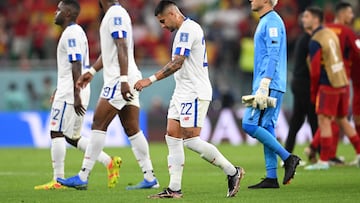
[{"x": 22, "y": 168}]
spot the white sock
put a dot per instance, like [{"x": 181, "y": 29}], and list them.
[
  {"x": 210, "y": 153},
  {"x": 95, "y": 146},
  {"x": 176, "y": 160},
  {"x": 58, "y": 152},
  {"x": 103, "y": 158},
  {"x": 140, "y": 148}
]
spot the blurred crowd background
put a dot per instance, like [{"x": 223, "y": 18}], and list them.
[{"x": 28, "y": 40}]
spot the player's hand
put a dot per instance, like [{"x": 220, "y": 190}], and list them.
[
  {"x": 262, "y": 93},
  {"x": 79, "y": 108},
  {"x": 254, "y": 101},
  {"x": 141, "y": 84},
  {"x": 125, "y": 91},
  {"x": 84, "y": 80}
]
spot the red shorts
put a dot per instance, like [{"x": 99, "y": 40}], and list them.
[
  {"x": 332, "y": 101},
  {"x": 356, "y": 100}
]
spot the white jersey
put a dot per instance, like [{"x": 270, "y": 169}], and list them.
[
  {"x": 116, "y": 24},
  {"x": 72, "y": 46},
  {"x": 192, "y": 80}
]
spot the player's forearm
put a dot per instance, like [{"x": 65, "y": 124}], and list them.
[
  {"x": 169, "y": 69},
  {"x": 272, "y": 63},
  {"x": 123, "y": 62},
  {"x": 98, "y": 65},
  {"x": 76, "y": 72},
  {"x": 122, "y": 52}
]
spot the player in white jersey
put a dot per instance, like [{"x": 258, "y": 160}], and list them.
[
  {"x": 190, "y": 101},
  {"x": 69, "y": 103},
  {"x": 120, "y": 73}
]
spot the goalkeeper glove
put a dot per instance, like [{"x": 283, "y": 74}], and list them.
[
  {"x": 261, "y": 99},
  {"x": 249, "y": 100},
  {"x": 262, "y": 93}
]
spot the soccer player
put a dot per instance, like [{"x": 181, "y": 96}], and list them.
[
  {"x": 329, "y": 85},
  {"x": 190, "y": 100},
  {"x": 269, "y": 81},
  {"x": 117, "y": 98},
  {"x": 69, "y": 103},
  {"x": 348, "y": 43}
]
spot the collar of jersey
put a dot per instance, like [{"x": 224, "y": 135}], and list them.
[{"x": 70, "y": 24}]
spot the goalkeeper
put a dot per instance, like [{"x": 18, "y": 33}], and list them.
[{"x": 269, "y": 85}]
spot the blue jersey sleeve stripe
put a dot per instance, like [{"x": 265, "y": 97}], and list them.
[
  {"x": 205, "y": 64},
  {"x": 74, "y": 57},
  {"x": 119, "y": 34},
  {"x": 182, "y": 51}
]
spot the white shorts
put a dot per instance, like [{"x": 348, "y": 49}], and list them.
[
  {"x": 190, "y": 113},
  {"x": 111, "y": 91},
  {"x": 64, "y": 119}
]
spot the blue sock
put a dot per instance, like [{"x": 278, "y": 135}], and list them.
[
  {"x": 268, "y": 140},
  {"x": 270, "y": 162}
]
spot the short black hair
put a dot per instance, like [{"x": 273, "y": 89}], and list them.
[
  {"x": 342, "y": 5},
  {"x": 74, "y": 4},
  {"x": 316, "y": 11},
  {"x": 162, "y": 6}
]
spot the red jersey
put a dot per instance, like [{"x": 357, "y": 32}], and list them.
[{"x": 349, "y": 44}]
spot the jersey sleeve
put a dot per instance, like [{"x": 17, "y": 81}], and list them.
[
  {"x": 315, "y": 68},
  {"x": 273, "y": 36},
  {"x": 116, "y": 27},
  {"x": 354, "y": 42},
  {"x": 186, "y": 38},
  {"x": 72, "y": 46}
]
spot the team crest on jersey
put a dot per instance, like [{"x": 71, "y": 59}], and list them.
[
  {"x": 117, "y": 21},
  {"x": 184, "y": 37},
  {"x": 72, "y": 43}
]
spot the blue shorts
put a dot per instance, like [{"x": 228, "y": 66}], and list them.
[{"x": 267, "y": 117}]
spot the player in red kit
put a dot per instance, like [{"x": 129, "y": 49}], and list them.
[
  {"x": 329, "y": 85},
  {"x": 350, "y": 48}
]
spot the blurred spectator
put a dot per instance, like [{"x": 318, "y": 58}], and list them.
[
  {"x": 39, "y": 34},
  {"x": 287, "y": 9},
  {"x": 47, "y": 93},
  {"x": 20, "y": 21},
  {"x": 92, "y": 32},
  {"x": 14, "y": 99},
  {"x": 4, "y": 37},
  {"x": 32, "y": 95},
  {"x": 246, "y": 59}
]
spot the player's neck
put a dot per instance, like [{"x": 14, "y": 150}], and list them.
[
  {"x": 180, "y": 19},
  {"x": 69, "y": 23},
  {"x": 264, "y": 11}
]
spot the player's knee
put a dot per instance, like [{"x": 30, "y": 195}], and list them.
[
  {"x": 131, "y": 130},
  {"x": 249, "y": 128}
]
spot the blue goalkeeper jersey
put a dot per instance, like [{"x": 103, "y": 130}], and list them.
[{"x": 270, "y": 52}]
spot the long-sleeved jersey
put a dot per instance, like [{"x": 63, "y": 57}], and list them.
[{"x": 270, "y": 52}]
